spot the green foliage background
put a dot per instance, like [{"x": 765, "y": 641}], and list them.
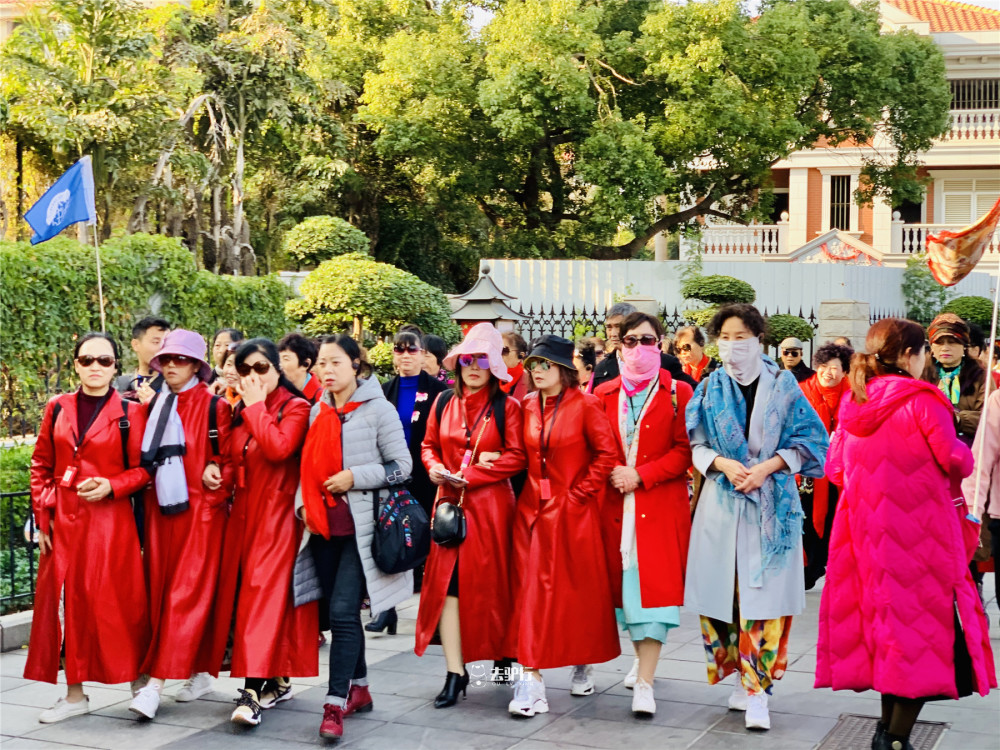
[
  {"x": 320, "y": 238},
  {"x": 923, "y": 295},
  {"x": 781, "y": 326},
  {"x": 973, "y": 309}
]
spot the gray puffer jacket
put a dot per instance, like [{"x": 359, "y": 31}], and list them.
[{"x": 376, "y": 453}]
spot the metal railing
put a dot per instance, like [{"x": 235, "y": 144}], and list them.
[
  {"x": 19, "y": 554},
  {"x": 911, "y": 239},
  {"x": 973, "y": 124}
]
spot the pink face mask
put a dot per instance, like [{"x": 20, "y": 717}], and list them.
[{"x": 640, "y": 363}]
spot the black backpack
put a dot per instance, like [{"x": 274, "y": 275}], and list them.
[{"x": 402, "y": 538}]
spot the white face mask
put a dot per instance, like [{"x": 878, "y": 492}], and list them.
[{"x": 741, "y": 359}]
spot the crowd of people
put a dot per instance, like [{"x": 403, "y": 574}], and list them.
[{"x": 200, "y": 516}]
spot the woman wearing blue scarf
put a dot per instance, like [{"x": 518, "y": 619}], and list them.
[{"x": 752, "y": 430}]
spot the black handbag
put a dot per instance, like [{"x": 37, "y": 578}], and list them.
[
  {"x": 401, "y": 540},
  {"x": 448, "y": 527}
]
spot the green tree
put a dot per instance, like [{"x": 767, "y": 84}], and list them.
[{"x": 923, "y": 295}]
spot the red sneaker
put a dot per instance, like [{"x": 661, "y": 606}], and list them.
[
  {"x": 332, "y": 727},
  {"x": 359, "y": 700}
]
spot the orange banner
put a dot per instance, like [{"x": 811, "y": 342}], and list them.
[{"x": 951, "y": 256}]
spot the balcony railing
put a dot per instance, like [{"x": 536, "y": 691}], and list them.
[
  {"x": 735, "y": 241},
  {"x": 908, "y": 239},
  {"x": 974, "y": 124}
]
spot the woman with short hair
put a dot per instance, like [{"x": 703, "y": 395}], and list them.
[
  {"x": 90, "y": 588},
  {"x": 689, "y": 344},
  {"x": 751, "y": 432}
]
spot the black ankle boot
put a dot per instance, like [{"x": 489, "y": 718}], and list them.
[
  {"x": 453, "y": 684},
  {"x": 500, "y": 674},
  {"x": 388, "y": 619},
  {"x": 880, "y": 728},
  {"x": 893, "y": 742}
]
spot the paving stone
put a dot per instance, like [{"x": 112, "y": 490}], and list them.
[
  {"x": 292, "y": 726},
  {"x": 957, "y": 740},
  {"x": 400, "y": 737},
  {"x": 668, "y": 713},
  {"x": 200, "y": 714},
  {"x": 44, "y": 695},
  {"x": 207, "y": 740},
  {"x": 599, "y": 733},
  {"x": 26, "y": 743},
  {"x": 712, "y": 740},
  {"x": 793, "y": 726},
  {"x": 18, "y": 720},
  {"x": 9, "y": 683},
  {"x": 477, "y": 717},
  {"x": 113, "y": 734}
]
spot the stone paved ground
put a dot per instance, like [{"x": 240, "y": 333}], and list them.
[{"x": 690, "y": 714}]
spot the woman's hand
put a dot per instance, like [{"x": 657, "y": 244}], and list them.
[
  {"x": 340, "y": 482},
  {"x": 253, "y": 390},
  {"x": 212, "y": 477},
  {"x": 435, "y": 474},
  {"x": 44, "y": 543},
  {"x": 757, "y": 475},
  {"x": 218, "y": 387},
  {"x": 144, "y": 393},
  {"x": 625, "y": 479},
  {"x": 457, "y": 480},
  {"x": 94, "y": 489},
  {"x": 735, "y": 471},
  {"x": 487, "y": 458},
  {"x": 305, "y": 520}
]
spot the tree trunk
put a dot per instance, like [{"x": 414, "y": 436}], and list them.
[
  {"x": 19, "y": 178},
  {"x": 137, "y": 221}
]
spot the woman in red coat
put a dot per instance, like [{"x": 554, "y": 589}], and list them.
[
  {"x": 646, "y": 410},
  {"x": 273, "y": 639},
  {"x": 466, "y": 589},
  {"x": 186, "y": 447},
  {"x": 80, "y": 487},
  {"x": 563, "y": 606}
]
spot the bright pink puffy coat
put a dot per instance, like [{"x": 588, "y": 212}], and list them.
[{"x": 899, "y": 555}]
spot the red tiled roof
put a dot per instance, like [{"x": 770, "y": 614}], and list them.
[{"x": 947, "y": 15}]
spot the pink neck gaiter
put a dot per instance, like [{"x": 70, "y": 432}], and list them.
[{"x": 640, "y": 363}]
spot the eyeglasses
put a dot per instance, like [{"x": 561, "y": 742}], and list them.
[
  {"x": 260, "y": 368},
  {"x": 466, "y": 360},
  {"x": 684, "y": 348},
  {"x": 104, "y": 360},
  {"x": 539, "y": 364},
  {"x": 630, "y": 342},
  {"x": 176, "y": 359},
  {"x": 505, "y": 351},
  {"x": 411, "y": 349},
  {"x": 791, "y": 352}
]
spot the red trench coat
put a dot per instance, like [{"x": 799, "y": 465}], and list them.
[
  {"x": 273, "y": 637},
  {"x": 662, "y": 509},
  {"x": 484, "y": 557},
  {"x": 183, "y": 550},
  {"x": 95, "y": 553},
  {"x": 563, "y": 607}
]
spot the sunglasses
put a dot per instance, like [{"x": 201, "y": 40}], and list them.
[
  {"x": 790, "y": 352},
  {"x": 684, "y": 348},
  {"x": 105, "y": 360},
  {"x": 260, "y": 368},
  {"x": 466, "y": 360},
  {"x": 630, "y": 342},
  {"x": 539, "y": 364},
  {"x": 505, "y": 351},
  {"x": 176, "y": 359},
  {"x": 411, "y": 349}
]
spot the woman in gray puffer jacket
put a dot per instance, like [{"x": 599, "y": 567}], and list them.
[{"x": 355, "y": 447}]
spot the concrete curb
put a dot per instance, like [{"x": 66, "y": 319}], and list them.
[{"x": 15, "y": 630}]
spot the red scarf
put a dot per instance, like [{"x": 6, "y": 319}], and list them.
[
  {"x": 826, "y": 402},
  {"x": 515, "y": 373},
  {"x": 321, "y": 459},
  {"x": 695, "y": 371}
]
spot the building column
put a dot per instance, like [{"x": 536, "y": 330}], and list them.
[
  {"x": 882, "y": 225},
  {"x": 798, "y": 207}
]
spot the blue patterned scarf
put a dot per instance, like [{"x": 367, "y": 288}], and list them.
[{"x": 790, "y": 422}]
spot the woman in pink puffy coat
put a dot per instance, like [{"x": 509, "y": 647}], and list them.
[{"x": 899, "y": 612}]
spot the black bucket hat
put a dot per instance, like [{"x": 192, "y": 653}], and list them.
[{"x": 555, "y": 349}]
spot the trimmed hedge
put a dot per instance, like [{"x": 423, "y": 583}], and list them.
[
  {"x": 49, "y": 298},
  {"x": 781, "y": 327},
  {"x": 717, "y": 290},
  {"x": 320, "y": 238},
  {"x": 382, "y": 296}
]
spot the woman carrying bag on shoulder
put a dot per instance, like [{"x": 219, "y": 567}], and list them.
[
  {"x": 466, "y": 590},
  {"x": 355, "y": 447}
]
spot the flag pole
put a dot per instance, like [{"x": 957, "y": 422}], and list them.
[
  {"x": 986, "y": 400},
  {"x": 100, "y": 286}
]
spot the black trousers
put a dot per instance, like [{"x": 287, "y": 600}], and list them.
[{"x": 338, "y": 566}]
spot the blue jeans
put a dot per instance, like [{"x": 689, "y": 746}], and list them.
[{"x": 338, "y": 566}]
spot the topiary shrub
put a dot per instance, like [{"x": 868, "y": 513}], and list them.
[
  {"x": 978, "y": 310},
  {"x": 382, "y": 296},
  {"x": 380, "y": 358},
  {"x": 718, "y": 290},
  {"x": 781, "y": 327},
  {"x": 321, "y": 238},
  {"x": 921, "y": 292},
  {"x": 701, "y": 317}
]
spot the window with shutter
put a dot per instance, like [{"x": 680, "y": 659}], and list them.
[{"x": 965, "y": 200}]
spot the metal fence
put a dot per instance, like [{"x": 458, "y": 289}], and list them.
[{"x": 19, "y": 554}]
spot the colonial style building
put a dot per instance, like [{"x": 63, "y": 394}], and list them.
[{"x": 815, "y": 217}]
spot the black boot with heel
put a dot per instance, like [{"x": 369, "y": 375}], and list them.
[
  {"x": 453, "y": 684},
  {"x": 385, "y": 620}
]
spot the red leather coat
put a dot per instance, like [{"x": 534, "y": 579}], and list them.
[
  {"x": 95, "y": 558},
  {"x": 272, "y": 637},
  {"x": 563, "y": 608},
  {"x": 183, "y": 550},
  {"x": 483, "y": 559},
  {"x": 662, "y": 509}
]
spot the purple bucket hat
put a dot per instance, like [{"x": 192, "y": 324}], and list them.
[
  {"x": 188, "y": 344},
  {"x": 482, "y": 338}
]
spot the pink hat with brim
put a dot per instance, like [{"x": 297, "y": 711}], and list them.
[
  {"x": 482, "y": 338},
  {"x": 187, "y": 344}
]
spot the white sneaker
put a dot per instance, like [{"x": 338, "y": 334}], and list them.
[
  {"x": 633, "y": 675},
  {"x": 643, "y": 700},
  {"x": 197, "y": 685},
  {"x": 146, "y": 701},
  {"x": 529, "y": 697},
  {"x": 138, "y": 684},
  {"x": 757, "y": 716},
  {"x": 738, "y": 700},
  {"x": 63, "y": 710},
  {"x": 583, "y": 680}
]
